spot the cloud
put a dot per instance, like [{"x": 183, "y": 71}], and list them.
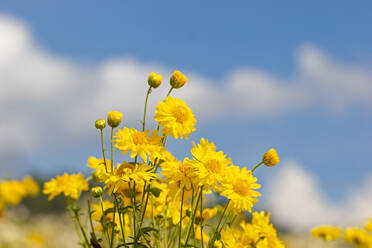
[
  {"x": 47, "y": 100},
  {"x": 297, "y": 202}
]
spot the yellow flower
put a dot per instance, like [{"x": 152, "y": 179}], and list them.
[
  {"x": 12, "y": 192},
  {"x": 264, "y": 229},
  {"x": 175, "y": 118},
  {"x": 135, "y": 172},
  {"x": 98, "y": 164},
  {"x": 270, "y": 158},
  {"x": 198, "y": 234},
  {"x": 358, "y": 236},
  {"x": 209, "y": 165},
  {"x": 154, "y": 80},
  {"x": 114, "y": 118},
  {"x": 238, "y": 186},
  {"x": 178, "y": 79},
  {"x": 139, "y": 143},
  {"x": 35, "y": 240},
  {"x": 30, "y": 185},
  {"x": 208, "y": 213},
  {"x": 368, "y": 226},
  {"x": 69, "y": 185},
  {"x": 178, "y": 175},
  {"x": 326, "y": 232}
]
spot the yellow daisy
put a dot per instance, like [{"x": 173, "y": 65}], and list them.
[
  {"x": 139, "y": 143},
  {"x": 326, "y": 232},
  {"x": 209, "y": 165},
  {"x": 175, "y": 118},
  {"x": 69, "y": 185},
  {"x": 238, "y": 186}
]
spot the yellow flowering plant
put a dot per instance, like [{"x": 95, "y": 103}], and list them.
[{"x": 151, "y": 199}]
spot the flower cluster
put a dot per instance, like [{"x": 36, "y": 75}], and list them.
[
  {"x": 149, "y": 198},
  {"x": 12, "y": 192},
  {"x": 361, "y": 238}
]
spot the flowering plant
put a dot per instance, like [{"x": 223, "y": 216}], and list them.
[{"x": 155, "y": 200}]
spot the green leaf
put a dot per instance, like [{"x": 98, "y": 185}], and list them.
[{"x": 155, "y": 191}]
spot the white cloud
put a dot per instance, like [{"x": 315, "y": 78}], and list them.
[
  {"x": 298, "y": 203},
  {"x": 42, "y": 94}
]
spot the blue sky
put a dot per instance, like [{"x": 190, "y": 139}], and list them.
[{"x": 215, "y": 43}]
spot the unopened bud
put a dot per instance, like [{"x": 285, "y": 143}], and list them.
[
  {"x": 96, "y": 192},
  {"x": 178, "y": 79},
  {"x": 100, "y": 124},
  {"x": 114, "y": 118},
  {"x": 154, "y": 80},
  {"x": 270, "y": 158}
]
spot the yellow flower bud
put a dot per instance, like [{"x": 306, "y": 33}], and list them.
[
  {"x": 270, "y": 158},
  {"x": 178, "y": 79},
  {"x": 96, "y": 192},
  {"x": 100, "y": 124},
  {"x": 114, "y": 118},
  {"x": 154, "y": 80}
]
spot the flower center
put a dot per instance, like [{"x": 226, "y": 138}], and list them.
[
  {"x": 213, "y": 165},
  {"x": 241, "y": 187},
  {"x": 180, "y": 114},
  {"x": 139, "y": 138}
]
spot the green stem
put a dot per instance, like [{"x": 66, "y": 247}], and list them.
[
  {"x": 103, "y": 222},
  {"x": 170, "y": 90},
  {"x": 193, "y": 216},
  {"x": 103, "y": 151},
  {"x": 91, "y": 222},
  {"x": 112, "y": 151},
  {"x": 113, "y": 228},
  {"x": 81, "y": 228},
  {"x": 144, "y": 112},
  {"x": 258, "y": 165},
  {"x": 180, "y": 232},
  {"x": 211, "y": 242},
  {"x": 201, "y": 221},
  {"x": 121, "y": 222},
  {"x": 133, "y": 195}
]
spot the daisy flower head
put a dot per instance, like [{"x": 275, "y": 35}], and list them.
[
  {"x": 175, "y": 118},
  {"x": 136, "y": 172},
  {"x": 328, "y": 233},
  {"x": 139, "y": 143},
  {"x": 178, "y": 173},
  {"x": 69, "y": 185},
  {"x": 209, "y": 165},
  {"x": 239, "y": 187}
]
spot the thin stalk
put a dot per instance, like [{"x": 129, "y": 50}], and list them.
[
  {"x": 211, "y": 242},
  {"x": 193, "y": 216},
  {"x": 103, "y": 151},
  {"x": 170, "y": 90},
  {"x": 144, "y": 112},
  {"x": 81, "y": 228},
  {"x": 121, "y": 222},
  {"x": 143, "y": 209},
  {"x": 103, "y": 222},
  {"x": 258, "y": 165},
  {"x": 180, "y": 232},
  {"x": 201, "y": 221},
  {"x": 90, "y": 221},
  {"x": 112, "y": 151},
  {"x": 113, "y": 228},
  {"x": 133, "y": 195}
]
